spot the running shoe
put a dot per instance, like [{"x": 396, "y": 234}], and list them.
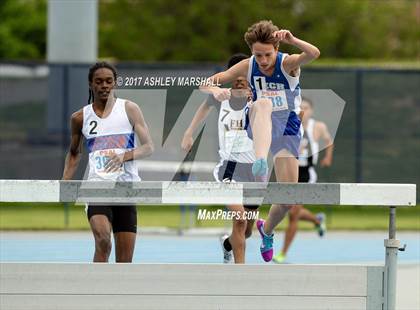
[
  {"x": 266, "y": 247},
  {"x": 322, "y": 227},
  {"x": 279, "y": 258},
  {"x": 227, "y": 255},
  {"x": 260, "y": 168}
]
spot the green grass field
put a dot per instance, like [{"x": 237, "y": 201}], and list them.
[{"x": 19, "y": 216}]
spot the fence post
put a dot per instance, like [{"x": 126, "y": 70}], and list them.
[{"x": 359, "y": 126}]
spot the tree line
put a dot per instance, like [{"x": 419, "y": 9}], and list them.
[{"x": 209, "y": 30}]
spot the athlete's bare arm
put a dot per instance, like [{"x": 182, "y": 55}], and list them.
[
  {"x": 231, "y": 74},
  {"x": 293, "y": 62},
  {"x": 199, "y": 116},
  {"x": 135, "y": 115},
  {"x": 74, "y": 153},
  {"x": 324, "y": 134},
  {"x": 141, "y": 130}
]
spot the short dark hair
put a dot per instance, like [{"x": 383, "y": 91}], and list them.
[
  {"x": 236, "y": 58},
  {"x": 92, "y": 70}
]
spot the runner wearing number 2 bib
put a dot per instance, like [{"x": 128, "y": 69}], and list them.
[
  {"x": 109, "y": 126},
  {"x": 274, "y": 122}
]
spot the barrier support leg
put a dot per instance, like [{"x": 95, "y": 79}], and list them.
[{"x": 391, "y": 251}]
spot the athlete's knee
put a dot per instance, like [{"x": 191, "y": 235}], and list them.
[
  {"x": 249, "y": 227},
  {"x": 282, "y": 207},
  {"x": 248, "y": 232},
  {"x": 293, "y": 216},
  {"x": 279, "y": 211},
  {"x": 239, "y": 224},
  {"x": 294, "y": 212},
  {"x": 288, "y": 207},
  {"x": 103, "y": 243}
]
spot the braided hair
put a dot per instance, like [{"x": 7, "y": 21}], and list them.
[{"x": 92, "y": 70}]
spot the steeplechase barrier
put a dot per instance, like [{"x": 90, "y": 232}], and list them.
[{"x": 203, "y": 286}]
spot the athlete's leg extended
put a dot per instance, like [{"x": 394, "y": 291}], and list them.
[
  {"x": 292, "y": 228},
  {"x": 296, "y": 214},
  {"x": 101, "y": 228},
  {"x": 286, "y": 168},
  {"x": 319, "y": 220},
  {"x": 250, "y": 222},
  {"x": 308, "y": 216},
  {"x": 237, "y": 238},
  {"x": 261, "y": 126},
  {"x": 124, "y": 246}
]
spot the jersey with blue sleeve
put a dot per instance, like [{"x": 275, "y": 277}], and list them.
[{"x": 281, "y": 88}]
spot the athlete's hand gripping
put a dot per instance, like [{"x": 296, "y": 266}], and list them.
[
  {"x": 221, "y": 94},
  {"x": 284, "y": 36}
]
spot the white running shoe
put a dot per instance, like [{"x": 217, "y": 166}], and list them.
[{"x": 227, "y": 255}]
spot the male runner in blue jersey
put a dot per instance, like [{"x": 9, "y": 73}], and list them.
[{"x": 274, "y": 115}]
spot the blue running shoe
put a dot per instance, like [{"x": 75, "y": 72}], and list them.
[
  {"x": 322, "y": 227},
  {"x": 260, "y": 167},
  {"x": 266, "y": 247}
]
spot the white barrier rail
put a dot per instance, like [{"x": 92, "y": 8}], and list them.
[
  {"x": 186, "y": 286},
  {"x": 207, "y": 192},
  {"x": 189, "y": 286}
]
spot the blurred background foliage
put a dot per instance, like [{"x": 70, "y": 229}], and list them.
[{"x": 209, "y": 30}]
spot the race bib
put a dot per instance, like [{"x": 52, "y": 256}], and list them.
[
  {"x": 237, "y": 141},
  {"x": 277, "y": 97},
  {"x": 271, "y": 90},
  {"x": 100, "y": 160}
]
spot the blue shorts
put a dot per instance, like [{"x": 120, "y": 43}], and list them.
[{"x": 285, "y": 132}]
